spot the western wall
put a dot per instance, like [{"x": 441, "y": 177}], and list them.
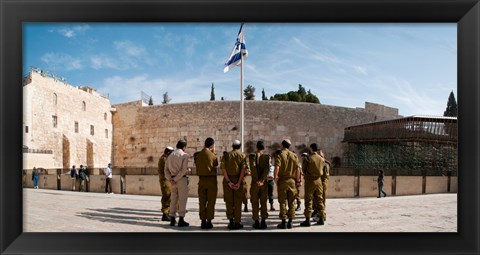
[{"x": 141, "y": 131}]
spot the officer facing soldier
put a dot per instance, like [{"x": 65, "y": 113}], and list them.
[
  {"x": 234, "y": 167},
  {"x": 286, "y": 175},
  {"x": 259, "y": 167},
  {"x": 164, "y": 184},
  {"x": 313, "y": 171},
  {"x": 206, "y": 162}
]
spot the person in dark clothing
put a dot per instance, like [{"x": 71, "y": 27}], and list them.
[{"x": 380, "y": 184}]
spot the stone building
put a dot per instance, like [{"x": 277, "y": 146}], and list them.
[
  {"x": 142, "y": 131},
  {"x": 64, "y": 125}
]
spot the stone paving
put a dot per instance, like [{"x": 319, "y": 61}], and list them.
[{"x": 69, "y": 211}]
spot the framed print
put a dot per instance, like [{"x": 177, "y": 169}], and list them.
[{"x": 17, "y": 14}]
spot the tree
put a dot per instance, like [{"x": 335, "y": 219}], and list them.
[
  {"x": 150, "y": 101},
  {"x": 297, "y": 96},
  {"x": 452, "y": 110},
  {"x": 222, "y": 99},
  {"x": 166, "y": 98},
  {"x": 249, "y": 93},
  {"x": 212, "y": 93},
  {"x": 263, "y": 95}
]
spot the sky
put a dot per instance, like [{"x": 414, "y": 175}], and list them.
[{"x": 412, "y": 67}]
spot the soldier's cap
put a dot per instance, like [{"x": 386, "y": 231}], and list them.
[
  {"x": 304, "y": 154},
  {"x": 287, "y": 141},
  {"x": 169, "y": 148},
  {"x": 236, "y": 142}
]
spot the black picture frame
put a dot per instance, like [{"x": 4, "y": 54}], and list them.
[{"x": 13, "y": 13}]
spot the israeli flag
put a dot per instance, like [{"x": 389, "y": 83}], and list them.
[{"x": 235, "y": 58}]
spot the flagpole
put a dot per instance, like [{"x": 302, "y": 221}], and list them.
[{"x": 241, "y": 102}]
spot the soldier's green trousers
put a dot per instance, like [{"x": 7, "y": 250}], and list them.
[
  {"x": 207, "y": 196},
  {"x": 325, "y": 188},
  {"x": 233, "y": 199},
  {"x": 286, "y": 194},
  {"x": 166, "y": 193},
  {"x": 297, "y": 197},
  {"x": 313, "y": 197},
  {"x": 259, "y": 197}
]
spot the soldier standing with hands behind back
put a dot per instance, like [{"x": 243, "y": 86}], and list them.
[
  {"x": 286, "y": 174},
  {"x": 259, "y": 167},
  {"x": 206, "y": 163},
  {"x": 313, "y": 171},
  {"x": 164, "y": 183},
  {"x": 234, "y": 167}
]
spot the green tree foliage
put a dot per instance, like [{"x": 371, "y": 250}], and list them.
[
  {"x": 249, "y": 92},
  {"x": 297, "y": 96},
  {"x": 452, "y": 110},
  {"x": 212, "y": 93},
  {"x": 263, "y": 95},
  {"x": 166, "y": 98}
]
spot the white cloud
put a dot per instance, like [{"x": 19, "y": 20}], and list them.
[
  {"x": 361, "y": 69},
  {"x": 101, "y": 62},
  {"x": 72, "y": 31},
  {"x": 61, "y": 61},
  {"x": 129, "y": 48}
]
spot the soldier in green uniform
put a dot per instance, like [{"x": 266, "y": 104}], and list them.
[
  {"x": 313, "y": 185},
  {"x": 325, "y": 176},
  {"x": 206, "y": 162},
  {"x": 164, "y": 184},
  {"x": 286, "y": 175},
  {"x": 234, "y": 167},
  {"x": 259, "y": 167},
  {"x": 298, "y": 199}
]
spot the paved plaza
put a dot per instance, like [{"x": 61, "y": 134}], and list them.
[{"x": 69, "y": 211}]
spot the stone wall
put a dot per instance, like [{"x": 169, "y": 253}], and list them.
[
  {"x": 142, "y": 132},
  {"x": 44, "y": 97}
]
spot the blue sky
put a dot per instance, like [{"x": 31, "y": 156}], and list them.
[{"x": 412, "y": 67}]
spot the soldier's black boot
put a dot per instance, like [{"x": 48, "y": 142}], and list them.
[
  {"x": 182, "y": 223},
  {"x": 204, "y": 224},
  {"x": 166, "y": 217},
  {"x": 172, "y": 221},
  {"x": 320, "y": 221},
  {"x": 256, "y": 225},
  {"x": 231, "y": 225},
  {"x": 282, "y": 225},
  {"x": 263, "y": 224},
  {"x": 246, "y": 208},
  {"x": 289, "y": 223},
  {"x": 209, "y": 224},
  {"x": 238, "y": 225},
  {"x": 306, "y": 223}
]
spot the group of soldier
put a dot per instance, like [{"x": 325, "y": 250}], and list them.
[{"x": 235, "y": 165}]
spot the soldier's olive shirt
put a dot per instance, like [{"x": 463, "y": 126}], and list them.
[
  {"x": 161, "y": 166},
  {"x": 206, "y": 163},
  {"x": 314, "y": 169},
  {"x": 259, "y": 166},
  {"x": 233, "y": 162},
  {"x": 287, "y": 163}
]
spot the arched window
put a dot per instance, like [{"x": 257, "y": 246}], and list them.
[
  {"x": 84, "y": 106},
  {"x": 54, "y": 99}
]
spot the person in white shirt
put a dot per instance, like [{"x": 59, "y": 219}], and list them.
[
  {"x": 176, "y": 169},
  {"x": 108, "y": 180}
]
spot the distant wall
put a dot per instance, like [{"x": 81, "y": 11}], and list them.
[
  {"x": 142, "y": 132},
  {"x": 338, "y": 186}
]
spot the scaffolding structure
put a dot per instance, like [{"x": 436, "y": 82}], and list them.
[{"x": 416, "y": 145}]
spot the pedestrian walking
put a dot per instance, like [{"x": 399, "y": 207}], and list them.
[
  {"x": 176, "y": 169},
  {"x": 286, "y": 175},
  {"x": 108, "y": 171},
  {"x": 380, "y": 184},
  {"x": 35, "y": 176},
  {"x": 73, "y": 176}
]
